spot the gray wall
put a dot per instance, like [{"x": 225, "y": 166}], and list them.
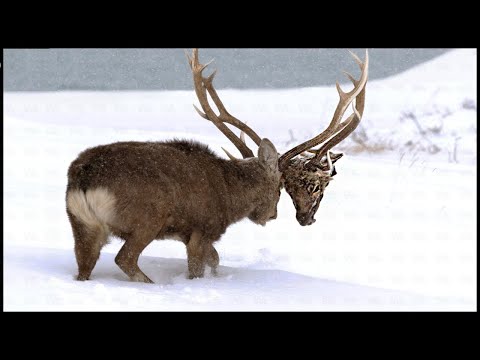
[{"x": 167, "y": 69}]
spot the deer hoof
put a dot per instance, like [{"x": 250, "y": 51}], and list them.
[{"x": 139, "y": 277}]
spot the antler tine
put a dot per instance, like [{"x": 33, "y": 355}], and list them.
[
  {"x": 358, "y": 60},
  {"x": 329, "y": 161},
  {"x": 352, "y": 79},
  {"x": 353, "y": 122},
  {"x": 225, "y": 116},
  {"x": 200, "y": 113},
  {"x": 204, "y": 85},
  {"x": 242, "y": 136},
  {"x": 230, "y": 156},
  {"x": 346, "y": 98}
]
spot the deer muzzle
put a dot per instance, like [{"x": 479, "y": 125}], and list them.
[{"x": 305, "y": 219}]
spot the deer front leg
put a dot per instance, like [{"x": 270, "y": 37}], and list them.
[{"x": 196, "y": 254}]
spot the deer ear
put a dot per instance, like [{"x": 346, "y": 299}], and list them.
[
  {"x": 268, "y": 155},
  {"x": 335, "y": 157}
]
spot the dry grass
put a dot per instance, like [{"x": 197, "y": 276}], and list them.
[{"x": 429, "y": 122}]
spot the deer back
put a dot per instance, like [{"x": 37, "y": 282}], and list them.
[{"x": 179, "y": 186}]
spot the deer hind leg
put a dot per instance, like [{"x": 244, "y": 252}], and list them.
[
  {"x": 127, "y": 257},
  {"x": 89, "y": 240},
  {"x": 197, "y": 253},
  {"x": 212, "y": 259}
]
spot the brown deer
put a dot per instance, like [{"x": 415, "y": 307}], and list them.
[{"x": 179, "y": 189}]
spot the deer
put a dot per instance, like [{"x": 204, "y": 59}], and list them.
[{"x": 181, "y": 190}]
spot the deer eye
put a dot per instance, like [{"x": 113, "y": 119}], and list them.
[{"x": 316, "y": 189}]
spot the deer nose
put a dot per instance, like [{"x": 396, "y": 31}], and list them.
[
  {"x": 302, "y": 217},
  {"x": 305, "y": 219}
]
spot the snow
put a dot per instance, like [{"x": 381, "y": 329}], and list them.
[{"x": 396, "y": 230}]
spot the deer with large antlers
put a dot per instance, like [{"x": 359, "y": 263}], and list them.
[{"x": 143, "y": 191}]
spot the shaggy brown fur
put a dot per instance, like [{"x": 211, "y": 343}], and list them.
[{"x": 141, "y": 191}]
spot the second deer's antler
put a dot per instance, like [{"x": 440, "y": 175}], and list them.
[{"x": 341, "y": 130}]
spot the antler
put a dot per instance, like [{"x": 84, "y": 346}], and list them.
[
  {"x": 202, "y": 85},
  {"x": 340, "y": 130}
]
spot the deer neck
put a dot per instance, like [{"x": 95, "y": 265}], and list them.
[{"x": 246, "y": 184}]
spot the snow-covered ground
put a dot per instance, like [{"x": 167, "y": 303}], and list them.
[{"x": 396, "y": 230}]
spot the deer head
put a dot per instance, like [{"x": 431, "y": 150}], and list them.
[{"x": 306, "y": 171}]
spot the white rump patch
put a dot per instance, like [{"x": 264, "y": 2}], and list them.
[{"x": 94, "y": 208}]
